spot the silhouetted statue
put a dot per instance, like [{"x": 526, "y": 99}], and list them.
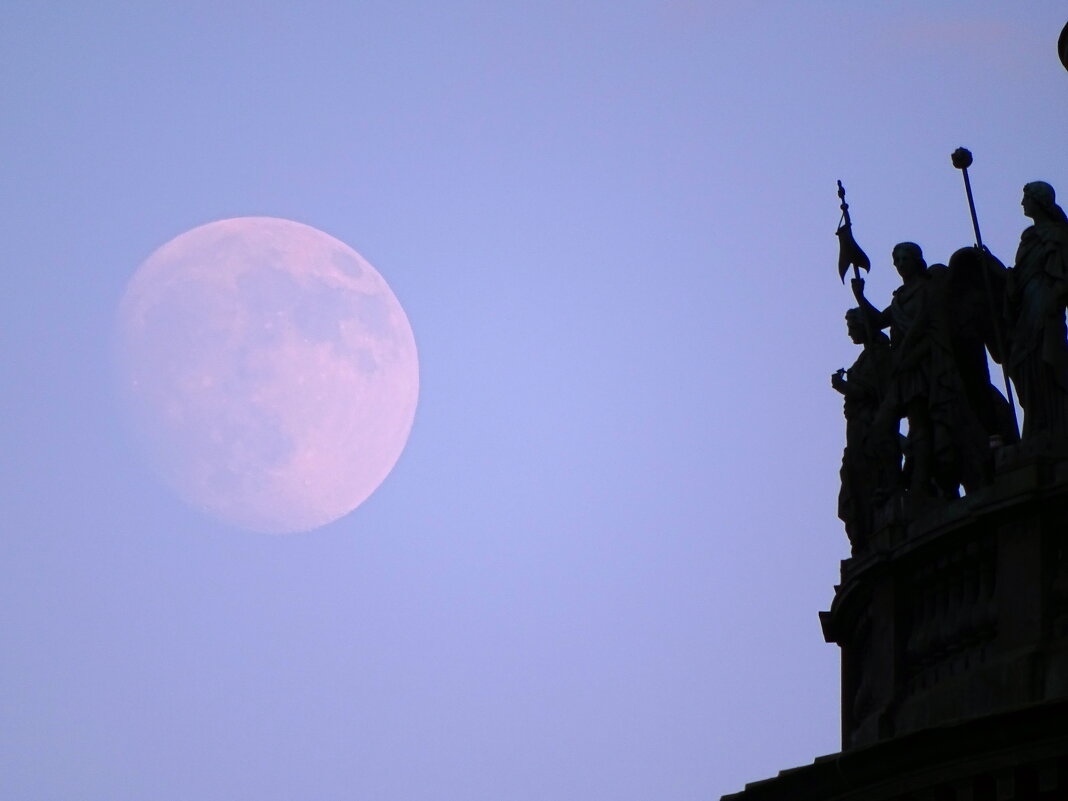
[
  {"x": 866, "y": 477},
  {"x": 946, "y": 447},
  {"x": 973, "y": 330},
  {"x": 1037, "y": 294}
]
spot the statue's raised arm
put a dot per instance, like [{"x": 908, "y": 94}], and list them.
[{"x": 873, "y": 318}]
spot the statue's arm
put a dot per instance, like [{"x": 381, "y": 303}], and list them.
[
  {"x": 849, "y": 389},
  {"x": 877, "y": 320}
]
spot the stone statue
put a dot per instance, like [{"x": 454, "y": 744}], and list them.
[
  {"x": 1036, "y": 297},
  {"x": 945, "y": 445},
  {"x": 865, "y": 477},
  {"x": 975, "y": 277}
]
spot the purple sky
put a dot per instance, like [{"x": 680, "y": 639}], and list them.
[{"x": 596, "y": 570}]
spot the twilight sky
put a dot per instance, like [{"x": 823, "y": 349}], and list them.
[{"x": 595, "y": 572}]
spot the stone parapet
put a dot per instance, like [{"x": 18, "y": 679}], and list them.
[{"x": 961, "y": 612}]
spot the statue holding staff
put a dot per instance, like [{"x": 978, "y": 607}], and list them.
[
  {"x": 975, "y": 276},
  {"x": 993, "y": 282}
]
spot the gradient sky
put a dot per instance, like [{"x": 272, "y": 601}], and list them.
[{"x": 596, "y": 570}]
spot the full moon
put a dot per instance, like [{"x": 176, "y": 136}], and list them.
[{"x": 268, "y": 370}]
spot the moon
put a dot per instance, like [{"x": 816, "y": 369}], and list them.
[{"x": 268, "y": 372}]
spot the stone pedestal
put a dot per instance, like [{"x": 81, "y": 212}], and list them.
[
  {"x": 960, "y": 613},
  {"x": 953, "y": 629}
]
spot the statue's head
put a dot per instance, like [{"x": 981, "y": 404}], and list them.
[
  {"x": 855, "y": 326},
  {"x": 1039, "y": 198},
  {"x": 908, "y": 259}
]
